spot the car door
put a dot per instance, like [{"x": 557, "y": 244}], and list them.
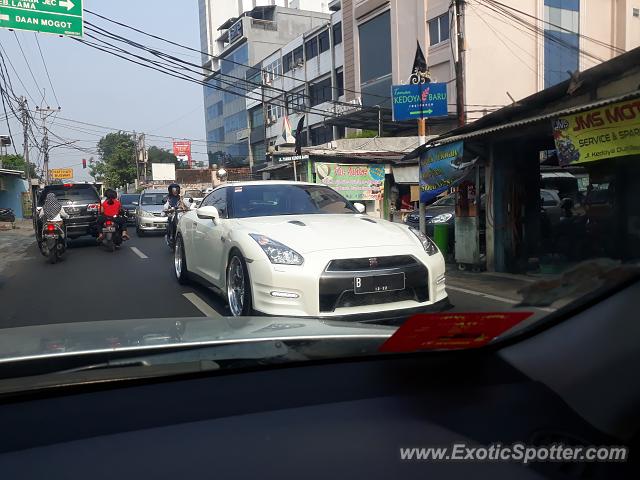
[{"x": 209, "y": 238}]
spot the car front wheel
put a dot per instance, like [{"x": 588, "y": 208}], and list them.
[
  {"x": 238, "y": 287},
  {"x": 180, "y": 262}
]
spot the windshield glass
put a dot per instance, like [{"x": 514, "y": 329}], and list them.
[
  {"x": 71, "y": 194},
  {"x": 153, "y": 199},
  {"x": 343, "y": 166},
  {"x": 271, "y": 200},
  {"x": 129, "y": 199}
]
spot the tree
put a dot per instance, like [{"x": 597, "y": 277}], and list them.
[
  {"x": 363, "y": 134},
  {"x": 117, "y": 164},
  {"x": 17, "y": 162},
  {"x": 161, "y": 155}
]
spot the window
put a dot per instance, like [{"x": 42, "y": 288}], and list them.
[
  {"x": 273, "y": 69},
  {"x": 340, "y": 82},
  {"x": 320, "y": 92},
  {"x": 337, "y": 33},
  {"x": 218, "y": 199},
  {"x": 548, "y": 199},
  {"x": 561, "y": 40},
  {"x": 273, "y": 112},
  {"x": 235, "y": 122},
  {"x": 287, "y": 62},
  {"x": 375, "y": 59},
  {"x": 296, "y": 101},
  {"x": 323, "y": 41},
  {"x": 311, "y": 48},
  {"x": 256, "y": 117},
  {"x": 259, "y": 153},
  {"x": 216, "y": 135},
  {"x": 298, "y": 57},
  {"x": 321, "y": 135},
  {"x": 214, "y": 110},
  {"x": 439, "y": 29}
]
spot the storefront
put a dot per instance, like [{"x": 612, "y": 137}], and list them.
[{"x": 558, "y": 173}]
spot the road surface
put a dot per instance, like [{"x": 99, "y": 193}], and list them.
[{"x": 135, "y": 282}]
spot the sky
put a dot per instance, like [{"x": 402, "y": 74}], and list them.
[{"x": 98, "y": 88}]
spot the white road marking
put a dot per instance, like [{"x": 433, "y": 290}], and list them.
[
  {"x": 138, "y": 252},
  {"x": 201, "y": 305},
  {"x": 495, "y": 297}
]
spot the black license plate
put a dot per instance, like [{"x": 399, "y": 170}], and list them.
[{"x": 379, "y": 283}]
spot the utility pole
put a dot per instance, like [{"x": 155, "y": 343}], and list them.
[
  {"x": 25, "y": 134},
  {"x": 44, "y": 113},
  {"x": 142, "y": 156},
  {"x": 459, "y": 64}
]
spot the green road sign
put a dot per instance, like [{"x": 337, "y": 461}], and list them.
[{"x": 60, "y": 17}]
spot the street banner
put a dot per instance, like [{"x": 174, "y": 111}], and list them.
[
  {"x": 599, "y": 134},
  {"x": 182, "y": 150},
  {"x": 442, "y": 168},
  {"x": 354, "y": 182},
  {"x": 423, "y": 100},
  {"x": 59, "y": 17},
  {"x": 61, "y": 173}
]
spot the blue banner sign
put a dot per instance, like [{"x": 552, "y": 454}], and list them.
[
  {"x": 425, "y": 100},
  {"x": 442, "y": 168}
]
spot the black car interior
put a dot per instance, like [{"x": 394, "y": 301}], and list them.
[{"x": 573, "y": 381}]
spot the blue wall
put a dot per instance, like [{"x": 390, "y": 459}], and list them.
[
  {"x": 561, "y": 45},
  {"x": 12, "y": 196}
]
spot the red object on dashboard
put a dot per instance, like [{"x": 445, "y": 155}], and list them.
[{"x": 451, "y": 331}]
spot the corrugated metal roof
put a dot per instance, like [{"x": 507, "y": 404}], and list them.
[
  {"x": 6, "y": 171},
  {"x": 537, "y": 118}
]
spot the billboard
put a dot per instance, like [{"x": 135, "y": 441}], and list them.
[
  {"x": 163, "y": 171},
  {"x": 182, "y": 150},
  {"x": 598, "y": 134},
  {"x": 442, "y": 168},
  {"x": 412, "y": 102},
  {"x": 354, "y": 182}
]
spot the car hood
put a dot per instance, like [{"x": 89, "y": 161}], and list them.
[
  {"x": 43, "y": 341},
  {"x": 152, "y": 208},
  {"x": 309, "y": 233}
]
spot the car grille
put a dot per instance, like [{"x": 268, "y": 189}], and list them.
[
  {"x": 158, "y": 214},
  {"x": 336, "y": 287},
  {"x": 370, "y": 263}
]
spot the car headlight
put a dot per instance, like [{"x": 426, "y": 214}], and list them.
[
  {"x": 277, "y": 252},
  {"x": 426, "y": 242},
  {"x": 443, "y": 218}
]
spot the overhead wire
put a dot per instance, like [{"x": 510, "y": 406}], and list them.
[
  {"x": 44, "y": 63},
  {"x": 26, "y": 60}
]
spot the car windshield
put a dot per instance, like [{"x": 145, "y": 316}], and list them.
[
  {"x": 343, "y": 167},
  {"x": 71, "y": 194},
  {"x": 153, "y": 199},
  {"x": 129, "y": 199},
  {"x": 272, "y": 200}
]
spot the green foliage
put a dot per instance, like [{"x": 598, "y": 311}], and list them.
[
  {"x": 16, "y": 162},
  {"x": 363, "y": 134},
  {"x": 117, "y": 164},
  {"x": 161, "y": 155}
]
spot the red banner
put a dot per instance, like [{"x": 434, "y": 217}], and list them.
[
  {"x": 182, "y": 149},
  {"x": 450, "y": 331}
]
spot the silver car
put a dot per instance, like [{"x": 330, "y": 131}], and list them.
[{"x": 149, "y": 215}]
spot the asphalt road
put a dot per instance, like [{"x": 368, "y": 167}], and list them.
[{"x": 134, "y": 282}]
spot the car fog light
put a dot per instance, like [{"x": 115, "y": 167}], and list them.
[{"x": 284, "y": 295}]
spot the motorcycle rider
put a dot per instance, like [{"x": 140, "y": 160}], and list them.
[
  {"x": 111, "y": 208},
  {"x": 174, "y": 201},
  {"x": 52, "y": 212}
]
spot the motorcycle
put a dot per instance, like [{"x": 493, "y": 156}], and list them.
[
  {"x": 112, "y": 235},
  {"x": 53, "y": 243},
  {"x": 7, "y": 215},
  {"x": 174, "y": 216}
]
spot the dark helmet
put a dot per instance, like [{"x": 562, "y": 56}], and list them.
[
  {"x": 174, "y": 189},
  {"x": 110, "y": 194}
]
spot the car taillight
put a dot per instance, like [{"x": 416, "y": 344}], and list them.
[
  {"x": 108, "y": 223},
  {"x": 51, "y": 227},
  {"x": 93, "y": 207}
]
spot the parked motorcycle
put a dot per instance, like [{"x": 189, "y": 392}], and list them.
[
  {"x": 7, "y": 215},
  {"x": 112, "y": 235},
  {"x": 53, "y": 243}
]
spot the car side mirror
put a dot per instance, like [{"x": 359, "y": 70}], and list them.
[
  {"x": 189, "y": 199},
  {"x": 208, "y": 213},
  {"x": 360, "y": 207}
]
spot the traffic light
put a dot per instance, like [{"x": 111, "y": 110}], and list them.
[{"x": 84, "y": 163}]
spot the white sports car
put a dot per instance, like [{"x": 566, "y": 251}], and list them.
[{"x": 301, "y": 249}]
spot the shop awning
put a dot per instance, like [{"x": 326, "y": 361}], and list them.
[{"x": 6, "y": 171}]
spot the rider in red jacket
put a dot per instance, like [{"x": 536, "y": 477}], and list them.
[{"x": 111, "y": 208}]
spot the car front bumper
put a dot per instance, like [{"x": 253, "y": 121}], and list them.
[
  {"x": 311, "y": 291},
  {"x": 152, "y": 224}
]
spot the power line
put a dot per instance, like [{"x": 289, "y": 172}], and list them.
[
  {"x": 28, "y": 66},
  {"x": 46, "y": 69}
]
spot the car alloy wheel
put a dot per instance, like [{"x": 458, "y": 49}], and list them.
[
  {"x": 237, "y": 288},
  {"x": 180, "y": 262}
]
